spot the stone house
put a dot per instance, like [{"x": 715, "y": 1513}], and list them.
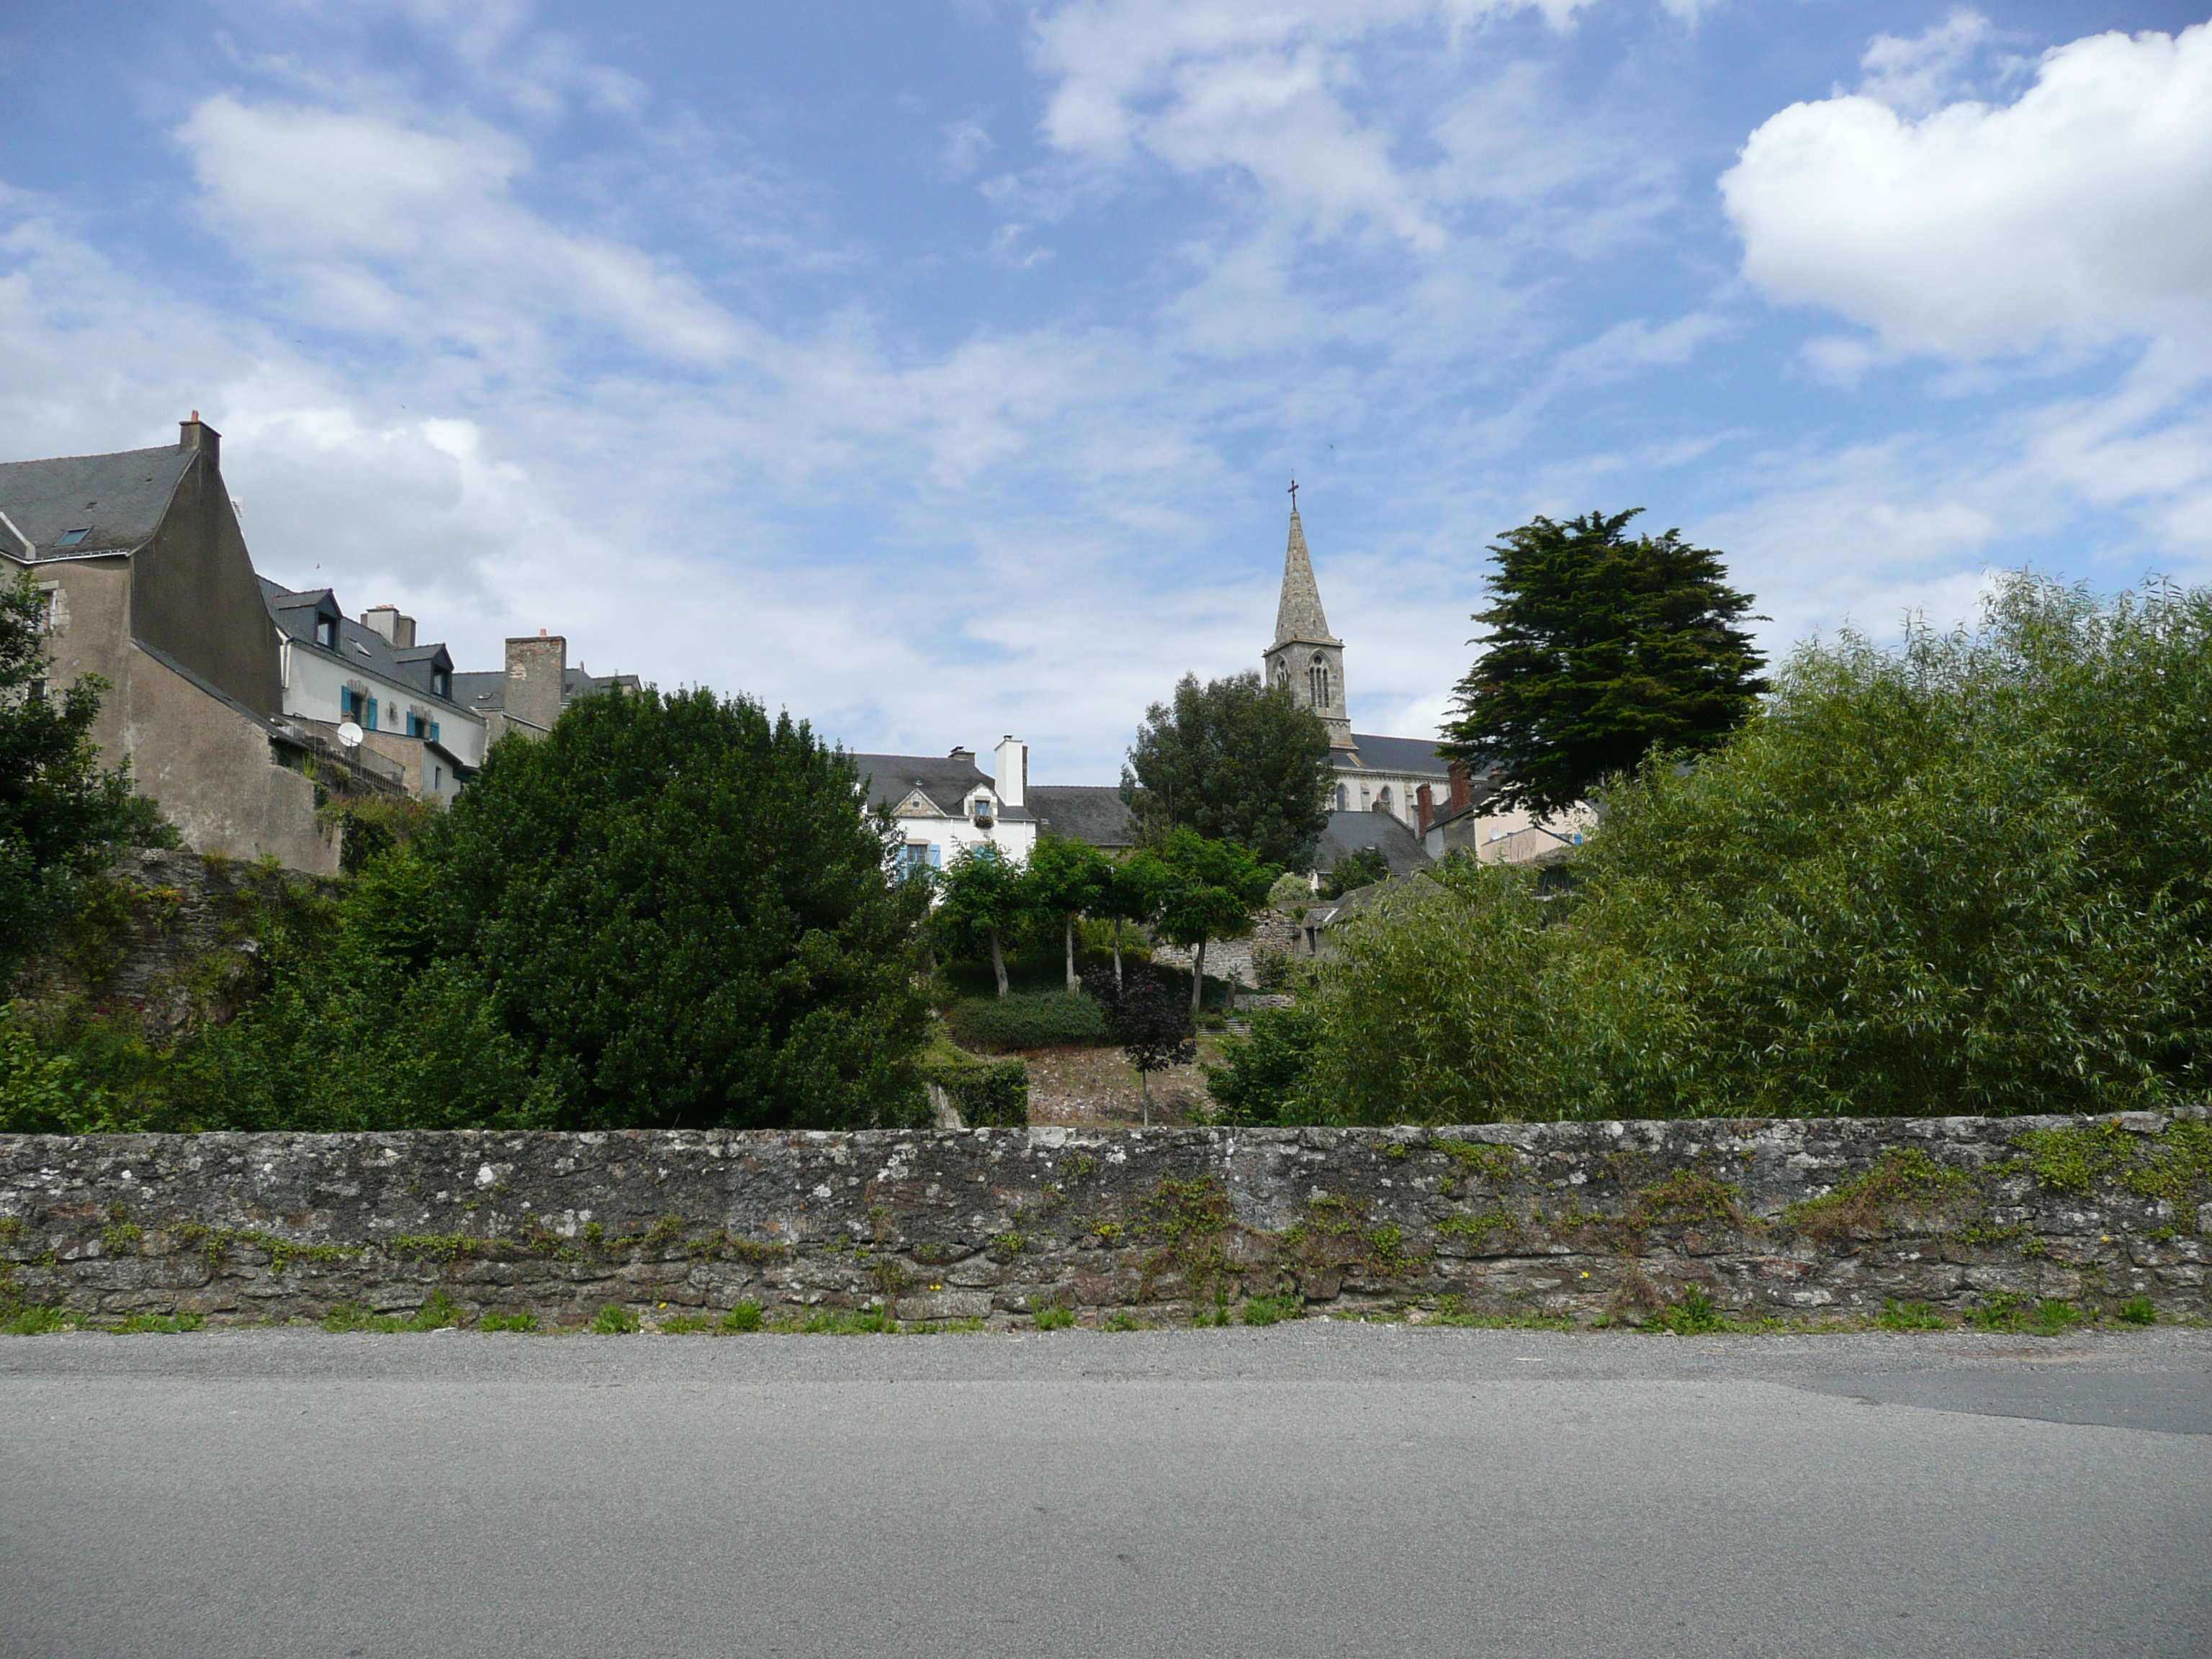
[{"x": 149, "y": 584}]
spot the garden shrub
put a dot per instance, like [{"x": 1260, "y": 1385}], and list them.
[{"x": 1033, "y": 1019}]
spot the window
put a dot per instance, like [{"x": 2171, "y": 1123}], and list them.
[
  {"x": 1382, "y": 800},
  {"x": 441, "y": 684},
  {"x": 437, "y": 778},
  {"x": 919, "y": 855},
  {"x": 326, "y": 633},
  {"x": 1317, "y": 680},
  {"x": 70, "y": 539},
  {"x": 1343, "y": 797},
  {"x": 347, "y": 698}
]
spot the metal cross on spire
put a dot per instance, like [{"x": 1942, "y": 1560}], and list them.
[{"x": 1294, "y": 495}]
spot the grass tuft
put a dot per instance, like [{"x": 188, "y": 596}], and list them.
[{"x": 1273, "y": 1310}]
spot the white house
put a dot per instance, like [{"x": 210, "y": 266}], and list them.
[
  {"x": 373, "y": 674},
  {"x": 943, "y": 804}
]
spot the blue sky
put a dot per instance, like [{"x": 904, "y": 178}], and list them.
[{"x": 935, "y": 370}]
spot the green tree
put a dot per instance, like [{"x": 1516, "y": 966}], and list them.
[
  {"x": 1363, "y": 868},
  {"x": 1259, "y": 1075},
  {"x": 1234, "y": 760},
  {"x": 1602, "y": 648},
  {"x": 62, "y": 815},
  {"x": 1068, "y": 879},
  {"x": 1972, "y": 875},
  {"x": 1210, "y": 890},
  {"x": 1131, "y": 895},
  {"x": 681, "y": 911},
  {"x": 987, "y": 895}
]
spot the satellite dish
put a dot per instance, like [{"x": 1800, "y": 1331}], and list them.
[{"x": 349, "y": 735}]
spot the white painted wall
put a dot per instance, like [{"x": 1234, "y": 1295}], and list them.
[{"x": 313, "y": 677}]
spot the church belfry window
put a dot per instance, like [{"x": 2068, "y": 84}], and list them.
[{"x": 1317, "y": 680}]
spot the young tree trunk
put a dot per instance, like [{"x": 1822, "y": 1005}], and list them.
[
  {"x": 1198, "y": 979},
  {"x": 1117, "y": 953},
  {"x": 997, "y": 962},
  {"x": 1144, "y": 1081},
  {"x": 1074, "y": 983}
]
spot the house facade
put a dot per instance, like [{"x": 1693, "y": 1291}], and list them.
[
  {"x": 148, "y": 583},
  {"x": 941, "y": 805},
  {"x": 372, "y": 676}
]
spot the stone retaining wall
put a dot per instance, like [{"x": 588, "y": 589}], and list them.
[{"x": 1812, "y": 1217}]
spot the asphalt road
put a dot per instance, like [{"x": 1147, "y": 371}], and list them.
[{"x": 1318, "y": 1489}]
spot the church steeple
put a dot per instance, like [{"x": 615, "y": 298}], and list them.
[
  {"x": 1299, "y": 614},
  {"x": 1305, "y": 656}
]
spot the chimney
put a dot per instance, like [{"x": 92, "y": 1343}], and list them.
[
  {"x": 1462, "y": 797},
  {"x": 1425, "y": 808},
  {"x": 1013, "y": 781},
  {"x": 197, "y": 434},
  {"x": 959, "y": 754},
  {"x": 397, "y": 629},
  {"x": 536, "y": 679}
]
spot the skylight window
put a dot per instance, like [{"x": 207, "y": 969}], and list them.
[{"x": 71, "y": 538}]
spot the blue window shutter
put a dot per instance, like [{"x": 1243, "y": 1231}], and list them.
[
  {"x": 434, "y": 731},
  {"x": 936, "y": 856},
  {"x": 371, "y": 721}
]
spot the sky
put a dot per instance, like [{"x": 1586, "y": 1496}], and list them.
[{"x": 936, "y": 369}]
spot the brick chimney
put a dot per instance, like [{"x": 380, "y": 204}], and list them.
[
  {"x": 1462, "y": 795},
  {"x": 197, "y": 434},
  {"x": 1425, "y": 808},
  {"x": 536, "y": 679}
]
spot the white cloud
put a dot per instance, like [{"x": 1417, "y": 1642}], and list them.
[
  {"x": 966, "y": 143},
  {"x": 375, "y": 219},
  {"x": 1917, "y": 75},
  {"x": 1260, "y": 89},
  {"x": 2079, "y": 214}
]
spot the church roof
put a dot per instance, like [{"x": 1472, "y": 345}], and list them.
[
  {"x": 1394, "y": 755},
  {"x": 1298, "y": 613}
]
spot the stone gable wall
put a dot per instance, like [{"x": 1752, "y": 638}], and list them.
[{"x": 1795, "y": 1218}]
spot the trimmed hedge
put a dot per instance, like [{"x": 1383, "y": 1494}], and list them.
[
  {"x": 994, "y": 1092},
  {"x": 1030, "y": 1019}
]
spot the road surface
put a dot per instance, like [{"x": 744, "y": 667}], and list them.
[{"x": 1310, "y": 1489}]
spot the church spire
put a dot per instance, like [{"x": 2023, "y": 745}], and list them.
[
  {"x": 1306, "y": 659},
  {"x": 1298, "y": 613}
]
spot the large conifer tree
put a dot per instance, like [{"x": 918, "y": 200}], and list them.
[{"x": 1601, "y": 646}]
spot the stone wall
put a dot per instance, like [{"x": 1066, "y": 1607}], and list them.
[
  {"x": 171, "y": 938},
  {"x": 1803, "y": 1219},
  {"x": 1275, "y": 933}
]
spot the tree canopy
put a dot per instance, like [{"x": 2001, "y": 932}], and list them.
[
  {"x": 62, "y": 814},
  {"x": 1235, "y": 760},
  {"x": 670, "y": 912},
  {"x": 1602, "y": 648},
  {"x": 1971, "y": 875},
  {"x": 1207, "y": 889},
  {"x": 987, "y": 896}
]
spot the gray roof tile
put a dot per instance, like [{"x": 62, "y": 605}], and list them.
[{"x": 121, "y": 498}]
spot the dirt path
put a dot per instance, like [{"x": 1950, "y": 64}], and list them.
[{"x": 1076, "y": 1086}]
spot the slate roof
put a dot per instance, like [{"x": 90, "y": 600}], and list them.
[
  {"x": 119, "y": 497},
  {"x": 362, "y": 650},
  {"x": 1092, "y": 812},
  {"x": 1355, "y": 832},
  {"x": 1397, "y": 755},
  {"x": 889, "y": 779},
  {"x": 483, "y": 691}
]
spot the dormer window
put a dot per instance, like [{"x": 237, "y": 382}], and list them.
[
  {"x": 982, "y": 808},
  {"x": 441, "y": 683},
  {"x": 326, "y": 633}
]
